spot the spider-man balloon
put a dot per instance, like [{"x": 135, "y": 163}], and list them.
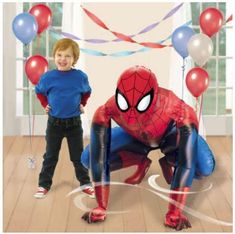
[{"x": 149, "y": 117}]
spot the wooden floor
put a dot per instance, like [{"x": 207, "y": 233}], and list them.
[{"x": 144, "y": 210}]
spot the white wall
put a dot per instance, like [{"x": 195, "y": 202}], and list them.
[{"x": 127, "y": 18}]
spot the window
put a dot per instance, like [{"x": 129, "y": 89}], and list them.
[
  {"x": 218, "y": 97},
  {"x": 43, "y": 45}
]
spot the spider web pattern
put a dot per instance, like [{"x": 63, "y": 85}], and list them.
[
  {"x": 157, "y": 121},
  {"x": 135, "y": 90}
]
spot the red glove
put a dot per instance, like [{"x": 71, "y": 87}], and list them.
[
  {"x": 174, "y": 217},
  {"x": 98, "y": 214},
  {"x": 95, "y": 215}
]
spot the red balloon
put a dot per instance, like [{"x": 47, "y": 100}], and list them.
[
  {"x": 43, "y": 15},
  {"x": 197, "y": 81},
  {"x": 211, "y": 21},
  {"x": 35, "y": 66}
]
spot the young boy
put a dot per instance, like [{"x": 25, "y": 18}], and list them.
[{"x": 63, "y": 92}]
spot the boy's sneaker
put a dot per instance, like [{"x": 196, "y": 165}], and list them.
[
  {"x": 41, "y": 193},
  {"x": 89, "y": 191}
]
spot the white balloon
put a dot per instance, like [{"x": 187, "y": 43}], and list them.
[{"x": 200, "y": 48}]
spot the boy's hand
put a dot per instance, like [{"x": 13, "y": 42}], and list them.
[
  {"x": 47, "y": 108},
  {"x": 82, "y": 108}
]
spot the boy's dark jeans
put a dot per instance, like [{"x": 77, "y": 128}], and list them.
[{"x": 57, "y": 129}]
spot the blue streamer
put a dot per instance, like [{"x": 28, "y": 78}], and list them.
[{"x": 59, "y": 35}]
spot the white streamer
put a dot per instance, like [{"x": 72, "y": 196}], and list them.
[
  {"x": 154, "y": 185},
  {"x": 191, "y": 211},
  {"x": 79, "y": 203}
]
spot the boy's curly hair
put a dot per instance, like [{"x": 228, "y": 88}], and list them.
[{"x": 64, "y": 44}]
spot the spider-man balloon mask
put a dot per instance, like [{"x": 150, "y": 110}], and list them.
[{"x": 136, "y": 94}]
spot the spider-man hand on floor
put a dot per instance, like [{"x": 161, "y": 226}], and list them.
[{"x": 149, "y": 117}]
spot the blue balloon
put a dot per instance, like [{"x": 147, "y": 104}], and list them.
[
  {"x": 25, "y": 27},
  {"x": 180, "y": 38}
]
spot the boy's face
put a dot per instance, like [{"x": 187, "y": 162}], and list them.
[{"x": 64, "y": 59}]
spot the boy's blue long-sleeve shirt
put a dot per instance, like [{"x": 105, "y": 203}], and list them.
[{"x": 63, "y": 90}]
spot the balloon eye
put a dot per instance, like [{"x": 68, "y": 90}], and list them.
[
  {"x": 121, "y": 102},
  {"x": 145, "y": 102}
]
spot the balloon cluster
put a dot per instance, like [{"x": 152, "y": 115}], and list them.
[
  {"x": 199, "y": 46},
  {"x": 26, "y": 26}
]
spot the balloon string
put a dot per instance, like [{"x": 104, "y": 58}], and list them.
[
  {"x": 183, "y": 70},
  {"x": 29, "y": 115},
  {"x": 38, "y": 43},
  {"x": 33, "y": 112},
  {"x": 200, "y": 110},
  {"x": 196, "y": 105}
]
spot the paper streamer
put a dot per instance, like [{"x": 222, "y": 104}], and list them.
[
  {"x": 147, "y": 46},
  {"x": 92, "y": 52},
  {"x": 122, "y": 36},
  {"x": 145, "y": 30}
]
